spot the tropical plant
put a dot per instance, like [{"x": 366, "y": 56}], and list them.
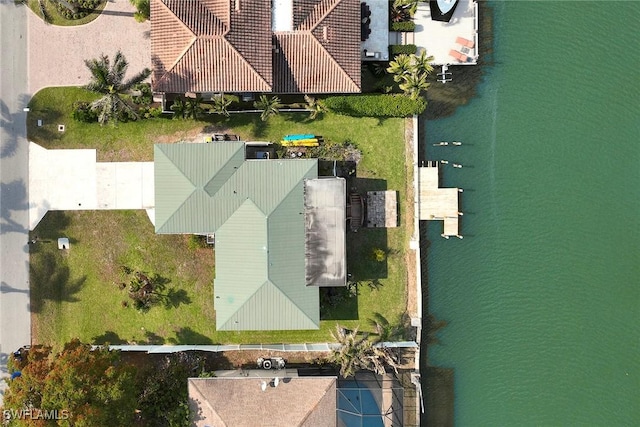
[
  {"x": 358, "y": 352},
  {"x": 87, "y": 386},
  {"x": 269, "y": 106},
  {"x": 143, "y": 10},
  {"x": 385, "y": 331},
  {"x": 414, "y": 84},
  {"x": 179, "y": 108},
  {"x": 401, "y": 66},
  {"x": 193, "y": 108},
  {"x": 107, "y": 79},
  {"x": 410, "y": 6},
  {"x": 422, "y": 63},
  {"x": 219, "y": 105},
  {"x": 315, "y": 107}
]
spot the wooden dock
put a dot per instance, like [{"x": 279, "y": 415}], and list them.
[{"x": 438, "y": 204}]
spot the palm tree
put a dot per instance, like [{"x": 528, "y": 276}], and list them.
[
  {"x": 179, "y": 108},
  {"x": 108, "y": 80},
  {"x": 269, "y": 106},
  {"x": 356, "y": 353},
  {"x": 315, "y": 106},
  {"x": 385, "y": 331},
  {"x": 410, "y": 6},
  {"x": 413, "y": 84},
  {"x": 193, "y": 107},
  {"x": 400, "y": 66},
  {"x": 220, "y": 105},
  {"x": 423, "y": 62},
  {"x": 352, "y": 355}
]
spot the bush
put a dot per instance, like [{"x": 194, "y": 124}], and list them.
[
  {"x": 403, "y": 26},
  {"x": 375, "y": 105},
  {"x": 197, "y": 242},
  {"x": 82, "y": 112},
  {"x": 397, "y": 49},
  {"x": 145, "y": 97}
]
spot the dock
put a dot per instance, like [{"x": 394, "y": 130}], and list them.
[{"x": 436, "y": 203}]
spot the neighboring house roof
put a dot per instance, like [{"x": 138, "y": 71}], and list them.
[
  {"x": 256, "y": 209},
  {"x": 230, "y": 402},
  {"x": 229, "y": 46}
]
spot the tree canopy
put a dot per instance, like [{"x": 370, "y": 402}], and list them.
[
  {"x": 107, "y": 78},
  {"x": 90, "y": 385}
]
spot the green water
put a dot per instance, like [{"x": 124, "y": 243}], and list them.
[{"x": 542, "y": 297}]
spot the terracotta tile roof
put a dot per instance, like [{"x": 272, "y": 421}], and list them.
[
  {"x": 229, "y": 402},
  {"x": 203, "y": 46},
  {"x": 212, "y": 46}
]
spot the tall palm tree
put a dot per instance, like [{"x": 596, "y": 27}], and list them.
[
  {"x": 352, "y": 355},
  {"x": 423, "y": 62},
  {"x": 269, "y": 106},
  {"x": 108, "y": 79},
  {"x": 220, "y": 104},
  {"x": 356, "y": 353},
  {"x": 400, "y": 66}
]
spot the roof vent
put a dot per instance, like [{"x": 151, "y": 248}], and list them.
[
  {"x": 325, "y": 33},
  {"x": 237, "y": 5}
]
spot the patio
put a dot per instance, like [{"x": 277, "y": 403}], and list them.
[
  {"x": 450, "y": 43},
  {"x": 376, "y": 45}
]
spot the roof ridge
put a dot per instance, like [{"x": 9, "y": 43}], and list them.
[
  {"x": 206, "y": 401},
  {"x": 315, "y": 406},
  {"x": 335, "y": 62},
  {"x": 312, "y": 26},
  {"x": 226, "y": 25},
  {"x": 247, "y": 63}
]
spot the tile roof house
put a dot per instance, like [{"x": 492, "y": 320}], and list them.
[
  {"x": 286, "y": 46},
  {"x": 259, "y": 213},
  {"x": 240, "y": 402}
]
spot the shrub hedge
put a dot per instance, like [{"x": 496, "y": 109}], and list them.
[
  {"x": 407, "y": 26},
  {"x": 375, "y": 105},
  {"x": 397, "y": 49}
]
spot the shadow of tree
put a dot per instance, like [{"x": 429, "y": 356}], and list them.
[
  {"x": 152, "y": 338},
  {"x": 50, "y": 280},
  {"x": 13, "y": 197},
  {"x": 109, "y": 337},
  {"x": 174, "y": 297},
  {"x": 189, "y": 336},
  {"x": 5, "y": 288}
]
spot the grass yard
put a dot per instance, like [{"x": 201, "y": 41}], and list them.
[{"x": 76, "y": 294}]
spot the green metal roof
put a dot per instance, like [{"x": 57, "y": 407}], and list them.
[{"x": 256, "y": 210}]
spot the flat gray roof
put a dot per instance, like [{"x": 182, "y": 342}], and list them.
[{"x": 325, "y": 242}]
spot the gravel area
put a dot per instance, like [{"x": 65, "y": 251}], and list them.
[{"x": 57, "y": 54}]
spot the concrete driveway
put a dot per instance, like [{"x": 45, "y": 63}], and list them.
[{"x": 57, "y": 54}]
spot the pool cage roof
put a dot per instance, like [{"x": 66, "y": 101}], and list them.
[{"x": 369, "y": 400}]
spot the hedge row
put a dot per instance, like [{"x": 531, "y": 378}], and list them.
[
  {"x": 397, "y": 49},
  {"x": 375, "y": 105},
  {"x": 406, "y": 26}
]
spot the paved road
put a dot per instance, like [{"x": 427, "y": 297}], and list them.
[{"x": 15, "y": 321}]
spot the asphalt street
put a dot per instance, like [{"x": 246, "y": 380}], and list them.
[{"x": 15, "y": 320}]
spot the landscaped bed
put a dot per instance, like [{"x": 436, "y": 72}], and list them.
[{"x": 76, "y": 293}]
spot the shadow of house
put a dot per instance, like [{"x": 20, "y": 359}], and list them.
[
  {"x": 51, "y": 281},
  {"x": 362, "y": 263}
]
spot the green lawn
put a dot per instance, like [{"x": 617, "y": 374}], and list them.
[{"x": 75, "y": 294}]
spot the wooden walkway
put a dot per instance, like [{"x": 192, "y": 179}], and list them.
[{"x": 438, "y": 204}]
